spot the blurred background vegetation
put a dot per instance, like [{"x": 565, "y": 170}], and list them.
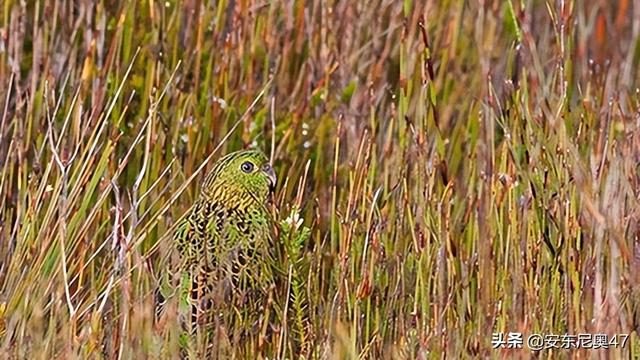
[{"x": 464, "y": 167}]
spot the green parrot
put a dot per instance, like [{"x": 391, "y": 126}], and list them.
[{"x": 223, "y": 243}]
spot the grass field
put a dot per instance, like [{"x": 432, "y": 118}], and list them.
[{"x": 465, "y": 168}]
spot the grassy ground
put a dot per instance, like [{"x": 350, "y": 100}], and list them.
[{"x": 464, "y": 168}]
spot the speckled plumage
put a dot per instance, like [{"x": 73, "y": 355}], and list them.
[{"x": 223, "y": 240}]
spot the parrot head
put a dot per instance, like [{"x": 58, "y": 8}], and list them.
[{"x": 240, "y": 178}]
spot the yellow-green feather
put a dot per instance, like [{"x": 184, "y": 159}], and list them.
[{"x": 223, "y": 241}]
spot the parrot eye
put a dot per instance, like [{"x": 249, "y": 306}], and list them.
[{"x": 247, "y": 167}]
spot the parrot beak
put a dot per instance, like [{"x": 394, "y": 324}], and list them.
[{"x": 271, "y": 175}]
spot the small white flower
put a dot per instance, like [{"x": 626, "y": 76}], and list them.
[
  {"x": 294, "y": 220},
  {"x": 223, "y": 104}
]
